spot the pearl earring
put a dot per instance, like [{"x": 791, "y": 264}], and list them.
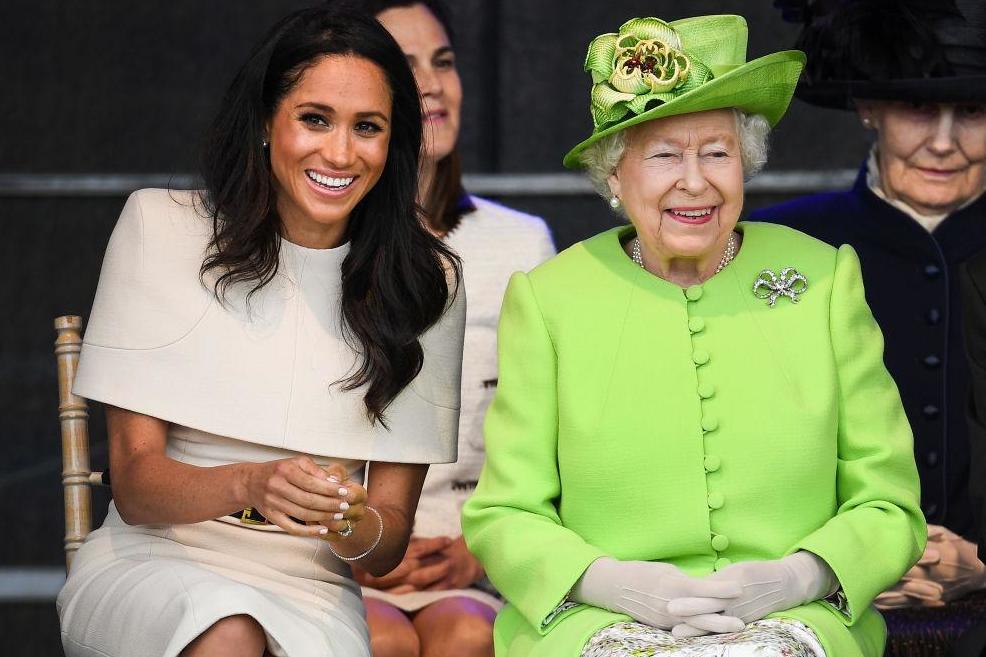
[
  {"x": 614, "y": 202},
  {"x": 867, "y": 123},
  {"x": 264, "y": 144}
]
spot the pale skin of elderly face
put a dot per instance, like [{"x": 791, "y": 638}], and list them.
[
  {"x": 681, "y": 184},
  {"x": 932, "y": 156}
]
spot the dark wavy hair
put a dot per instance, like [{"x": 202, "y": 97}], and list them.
[
  {"x": 447, "y": 200},
  {"x": 397, "y": 278}
]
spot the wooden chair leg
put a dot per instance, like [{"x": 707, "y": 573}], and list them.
[{"x": 73, "y": 415}]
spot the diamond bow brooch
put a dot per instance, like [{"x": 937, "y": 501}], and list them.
[{"x": 770, "y": 286}]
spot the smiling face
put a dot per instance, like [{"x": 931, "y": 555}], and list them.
[
  {"x": 681, "y": 184},
  {"x": 932, "y": 156},
  {"x": 429, "y": 53},
  {"x": 328, "y": 138}
]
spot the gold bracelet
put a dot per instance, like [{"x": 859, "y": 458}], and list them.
[{"x": 372, "y": 547}]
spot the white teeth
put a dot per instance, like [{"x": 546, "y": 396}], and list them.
[
  {"x": 335, "y": 183},
  {"x": 693, "y": 213}
]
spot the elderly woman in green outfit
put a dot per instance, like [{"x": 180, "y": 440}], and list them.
[{"x": 694, "y": 448}]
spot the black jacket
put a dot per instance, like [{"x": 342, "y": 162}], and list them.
[
  {"x": 973, "y": 278},
  {"x": 911, "y": 280}
]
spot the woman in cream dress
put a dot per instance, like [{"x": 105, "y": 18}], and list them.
[{"x": 256, "y": 344}]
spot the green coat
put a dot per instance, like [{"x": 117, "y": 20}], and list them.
[{"x": 697, "y": 427}]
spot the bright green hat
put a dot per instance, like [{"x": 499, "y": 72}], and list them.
[{"x": 652, "y": 69}]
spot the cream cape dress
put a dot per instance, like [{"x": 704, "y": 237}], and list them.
[{"x": 240, "y": 382}]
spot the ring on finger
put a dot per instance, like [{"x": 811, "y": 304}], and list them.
[{"x": 347, "y": 531}]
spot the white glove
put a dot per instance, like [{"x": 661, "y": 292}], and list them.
[
  {"x": 768, "y": 586},
  {"x": 642, "y": 590}
]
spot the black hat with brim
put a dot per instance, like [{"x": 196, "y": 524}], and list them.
[
  {"x": 839, "y": 94},
  {"x": 894, "y": 50}
]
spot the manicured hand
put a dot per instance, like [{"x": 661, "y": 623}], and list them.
[
  {"x": 352, "y": 503},
  {"x": 295, "y": 488}
]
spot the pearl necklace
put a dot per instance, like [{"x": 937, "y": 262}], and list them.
[{"x": 727, "y": 255}]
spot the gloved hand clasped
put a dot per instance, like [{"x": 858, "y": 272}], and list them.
[
  {"x": 644, "y": 589},
  {"x": 768, "y": 586}
]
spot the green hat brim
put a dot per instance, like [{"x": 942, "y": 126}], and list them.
[{"x": 761, "y": 86}]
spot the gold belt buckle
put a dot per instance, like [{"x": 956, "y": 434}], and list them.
[{"x": 249, "y": 516}]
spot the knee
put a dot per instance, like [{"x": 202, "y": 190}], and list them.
[
  {"x": 394, "y": 640},
  {"x": 241, "y": 632},
  {"x": 238, "y": 630},
  {"x": 471, "y": 634}
]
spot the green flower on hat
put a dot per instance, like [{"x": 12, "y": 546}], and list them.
[
  {"x": 648, "y": 65},
  {"x": 642, "y": 65},
  {"x": 651, "y": 69}
]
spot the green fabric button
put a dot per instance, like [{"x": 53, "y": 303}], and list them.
[
  {"x": 720, "y": 543},
  {"x": 710, "y": 423},
  {"x": 694, "y": 293},
  {"x": 696, "y": 324},
  {"x": 700, "y": 357},
  {"x": 706, "y": 390},
  {"x": 712, "y": 463},
  {"x": 722, "y": 563},
  {"x": 716, "y": 500}
]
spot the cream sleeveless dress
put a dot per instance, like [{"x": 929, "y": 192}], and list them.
[
  {"x": 149, "y": 590},
  {"x": 244, "y": 381}
]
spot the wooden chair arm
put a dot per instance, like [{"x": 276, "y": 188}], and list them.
[{"x": 73, "y": 416}]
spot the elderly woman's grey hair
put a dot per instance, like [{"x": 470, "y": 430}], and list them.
[{"x": 601, "y": 159}]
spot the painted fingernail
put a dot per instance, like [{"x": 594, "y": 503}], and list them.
[
  {"x": 343, "y": 492},
  {"x": 337, "y": 516},
  {"x": 344, "y": 506},
  {"x": 334, "y": 478},
  {"x": 323, "y": 531}
]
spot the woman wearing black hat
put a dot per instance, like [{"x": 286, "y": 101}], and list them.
[{"x": 915, "y": 72}]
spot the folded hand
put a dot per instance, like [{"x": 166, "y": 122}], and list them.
[
  {"x": 958, "y": 569},
  {"x": 423, "y": 565},
  {"x": 767, "y": 586},
  {"x": 644, "y": 589},
  {"x": 298, "y": 489},
  {"x": 913, "y": 590},
  {"x": 462, "y": 568},
  {"x": 949, "y": 569}
]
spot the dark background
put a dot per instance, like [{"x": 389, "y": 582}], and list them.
[{"x": 127, "y": 87}]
